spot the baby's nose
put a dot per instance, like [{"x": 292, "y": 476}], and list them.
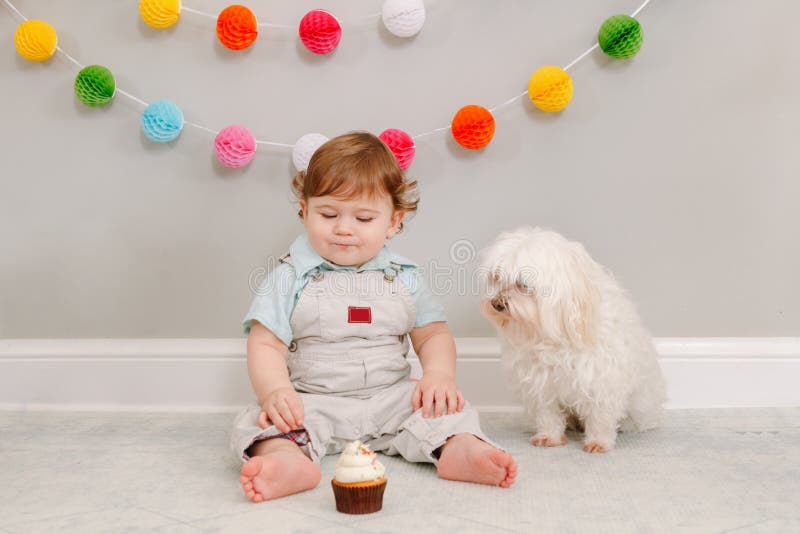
[
  {"x": 499, "y": 304},
  {"x": 342, "y": 228}
]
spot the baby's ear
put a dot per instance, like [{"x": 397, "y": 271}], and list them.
[{"x": 397, "y": 219}]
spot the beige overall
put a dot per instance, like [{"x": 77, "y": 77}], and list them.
[{"x": 348, "y": 362}]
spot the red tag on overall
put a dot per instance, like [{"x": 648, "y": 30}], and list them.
[{"x": 356, "y": 314}]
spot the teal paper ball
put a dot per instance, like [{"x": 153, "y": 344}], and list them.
[
  {"x": 620, "y": 36},
  {"x": 162, "y": 121}
]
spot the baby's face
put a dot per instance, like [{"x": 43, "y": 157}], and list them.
[{"x": 349, "y": 232}]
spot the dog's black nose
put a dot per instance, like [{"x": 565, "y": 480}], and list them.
[{"x": 499, "y": 304}]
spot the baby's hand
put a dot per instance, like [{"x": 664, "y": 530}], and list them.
[
  {"x": 438, "y": 391},
  {"x": 283, "y": 408}
]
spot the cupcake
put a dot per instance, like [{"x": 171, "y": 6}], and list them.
[{"x": 358, "y": 481}]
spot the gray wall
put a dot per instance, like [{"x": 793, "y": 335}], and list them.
[{"x": 678, "y": 170}]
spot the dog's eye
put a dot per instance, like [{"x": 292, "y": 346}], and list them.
[{"x": 524, "y": 288}]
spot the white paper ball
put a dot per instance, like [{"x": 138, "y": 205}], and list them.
[
  {"x": 304, "y": 148},
  {"x": 404, "y": 18}
]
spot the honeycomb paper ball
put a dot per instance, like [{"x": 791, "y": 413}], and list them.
[
  {"x": 401, "y": 144},
  {"x": 162, "y": 121},
  {"x": 550, "y": 88},
  {"x": 472, "y": 127},
  {"x": 403, "y": 18},
  {"x": 235, "y": 146},
  {"x": 304, "y": 148},
  {"x": 160, "y": 14},
  {"x": 95, "y": 85},
  {"x": 620, "y": 36},
  {"x": 237, "y": 27},
  {"x": 35, "y": 40},
  {"x": 320, "y": 31}
]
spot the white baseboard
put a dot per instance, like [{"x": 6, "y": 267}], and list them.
[{"x": 210, "y": 375}]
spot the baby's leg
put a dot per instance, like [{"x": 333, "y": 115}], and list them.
[
  {"x": 277, "y": 467},
  {"x": 465, "y": 457},
  {"x": 465, "y": 453}
]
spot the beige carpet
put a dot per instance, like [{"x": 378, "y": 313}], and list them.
[{"x": 704, "y": 471}]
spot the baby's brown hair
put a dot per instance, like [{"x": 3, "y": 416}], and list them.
[{"x": 352, "y": 164}]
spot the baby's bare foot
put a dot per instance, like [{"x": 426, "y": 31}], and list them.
[
  {"x": 278, "y": 473},
  {"x": 469, "y": 459}
]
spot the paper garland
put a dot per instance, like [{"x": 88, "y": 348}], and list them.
[
  {"x": 550, "y": 88},
  {"x": 319, "y": 30}
]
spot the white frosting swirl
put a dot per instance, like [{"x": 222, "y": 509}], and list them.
[{"x": 358, "y": 464}]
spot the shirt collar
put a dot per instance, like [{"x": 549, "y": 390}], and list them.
[{"x": 305, "y": 259}]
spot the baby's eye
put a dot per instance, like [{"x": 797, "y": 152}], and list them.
[
  {"x": 328, "y": 215},
  {"x": 365, "y": 219}
]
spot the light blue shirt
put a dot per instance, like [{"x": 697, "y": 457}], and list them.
[{"x": 278, "y": 294}]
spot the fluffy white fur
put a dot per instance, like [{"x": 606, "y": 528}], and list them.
[{"x": 575, "y": 343}]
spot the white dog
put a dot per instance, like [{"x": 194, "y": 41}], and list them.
[{"x": 575, "y": 343}]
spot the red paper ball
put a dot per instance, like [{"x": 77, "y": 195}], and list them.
[
  {"x": 237, "y": 27},
  {"x": 320, "y": 31},
  {"x": 473, "y": 127},
  {"x": 401, "y": 145}
]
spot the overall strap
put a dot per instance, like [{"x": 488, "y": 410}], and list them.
[{"x": 315, "y": 273}]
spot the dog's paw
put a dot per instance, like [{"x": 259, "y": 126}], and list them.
[
  {"x": 543, "y": 440},
  {"x": 594, "y": 446}
]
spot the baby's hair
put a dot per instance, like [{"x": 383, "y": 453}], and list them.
[{"x": 352, "y": 164}]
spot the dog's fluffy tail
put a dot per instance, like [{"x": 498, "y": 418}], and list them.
[{"x": 646, "y": 404}]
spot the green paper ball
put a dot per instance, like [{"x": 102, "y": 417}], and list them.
[
  {"x": 95, "y": 86},
  {"x": 620, "y": 36}
]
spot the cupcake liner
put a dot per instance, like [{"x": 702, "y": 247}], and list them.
[{"x": 358, "y": 499}]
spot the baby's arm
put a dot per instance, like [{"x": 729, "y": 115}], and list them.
[
  {"x": 266, "y": 365},
  {"x": 437, "y": 388}
]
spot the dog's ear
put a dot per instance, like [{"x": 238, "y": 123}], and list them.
[{"x": 579, "y": 302}]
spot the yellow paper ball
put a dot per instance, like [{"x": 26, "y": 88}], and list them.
[
  {"x": 35, "y": 40},
  {"x": 160, "y": 14},
  {"x": 550, "y": 88}
]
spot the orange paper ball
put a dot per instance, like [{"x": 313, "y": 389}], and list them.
[
  {"x": 237, "y": 27},
  {"x": 550, "y": 88},
  {"x": 473, "y": 127}
]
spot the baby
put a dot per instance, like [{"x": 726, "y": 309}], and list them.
[{"x": 328, "y": 338}]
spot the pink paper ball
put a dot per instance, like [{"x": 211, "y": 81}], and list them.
[
  {"x": 320, "y": 31},
  {"x": 401, "y": 145},
  {"x": 235, "y": 146}
]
